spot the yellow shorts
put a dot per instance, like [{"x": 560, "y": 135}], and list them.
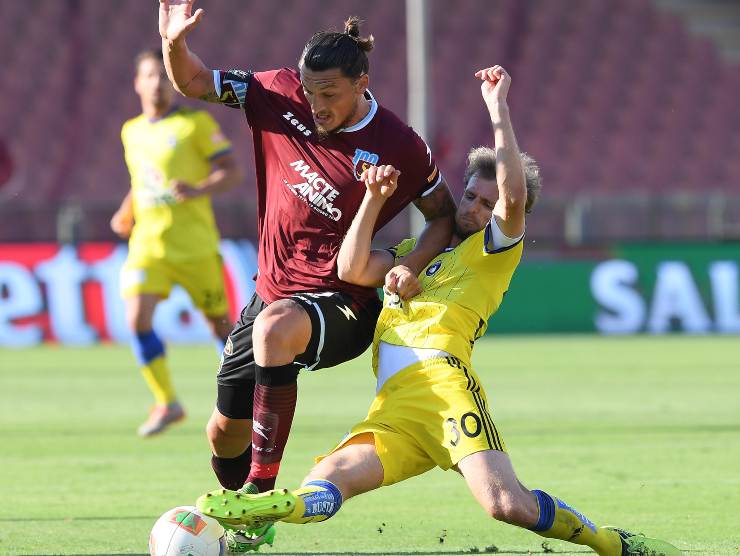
[
  {"x": 202, "y": 278},
  {"x": 433, "y": 413}
]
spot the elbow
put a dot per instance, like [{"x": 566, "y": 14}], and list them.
[{"x": 345, "y": 273}]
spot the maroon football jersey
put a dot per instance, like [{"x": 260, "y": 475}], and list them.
[{"x": 307, "y": 189}]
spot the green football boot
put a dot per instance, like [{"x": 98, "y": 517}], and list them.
[
  {"x": 241, "y": 542},
  {"x": 637, "y": 544},
  {"x": 238, "y": 509}
]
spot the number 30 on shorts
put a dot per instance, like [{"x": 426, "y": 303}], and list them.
[{"x": 471, "y": 426}]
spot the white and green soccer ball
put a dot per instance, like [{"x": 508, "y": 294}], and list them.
[{"x": 184, "y": 531}]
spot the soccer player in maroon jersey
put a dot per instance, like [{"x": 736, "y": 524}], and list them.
[{"x": 315, "y": 130}]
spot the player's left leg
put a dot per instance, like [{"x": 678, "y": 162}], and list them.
[
  {"x": 351, "y": 470},
  {"x": 311, "y": 331},
  {"x": 494, "y": 484},
  {"x": 203, "y": 279}
]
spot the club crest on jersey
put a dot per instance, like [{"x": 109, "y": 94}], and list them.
[
  {"x": 432, "y": 270},
  {"x": 363, "y": 160}
]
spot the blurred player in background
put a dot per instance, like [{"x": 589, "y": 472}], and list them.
[
  {"x": 430, "y": 409},
  {"x": 177, "y": 158},
  {"x": 315, "y": 129}
]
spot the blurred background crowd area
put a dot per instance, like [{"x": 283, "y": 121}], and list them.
[{"x": 631, "y": 107}]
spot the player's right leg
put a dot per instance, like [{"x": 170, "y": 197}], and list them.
[
  {"x": 150, "y": 355},
  {"x": 351, "y": 470},
  {"x": 229, "y": 429},
  {"x": 494, "y": 484}
]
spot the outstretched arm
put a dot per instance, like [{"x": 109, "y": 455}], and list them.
[
  {"x": 357, "y": 263},
  {"x": 512, "y": 188},
  {"x": 188, "y": 74}
]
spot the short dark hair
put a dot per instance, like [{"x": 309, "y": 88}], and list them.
[
  {"x": 155, "y": 53},
  {"x": 346, "y": 51},
  {"x": 482, "y": 163}
]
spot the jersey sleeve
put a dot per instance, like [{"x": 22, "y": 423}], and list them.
[
  {"x": 232, "y": 86},
  {"x": 421, "y": 172},
  {"x": 209, "y": 138},
  {"x": 495, "y": 241},
  {"x": 402, "y": 249}
]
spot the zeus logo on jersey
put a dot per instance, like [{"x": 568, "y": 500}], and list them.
[
  {"x": 296, "y": 123},
  {"x": 315, "y": 191},
  {"x": 363, "y": 160}
]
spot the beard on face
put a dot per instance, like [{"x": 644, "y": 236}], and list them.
[{"x": 324, "y": 133}]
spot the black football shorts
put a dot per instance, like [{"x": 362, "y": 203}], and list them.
[{"x": 341, "y": 330}]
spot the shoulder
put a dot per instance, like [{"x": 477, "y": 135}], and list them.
[
  {"x": 198, "y": 116},
  {"x": 403, "y": 137},
  {"x": 130, "y": 125},
  {"x": 281, "y": 80}
]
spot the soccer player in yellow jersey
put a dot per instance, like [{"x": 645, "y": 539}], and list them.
[
  {"x": 430, "y": 409},
  {"x": 177, "y": 159}
]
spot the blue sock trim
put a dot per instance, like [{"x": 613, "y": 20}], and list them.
[
  {"x": 547, "y": 511},
  {"x": 324, "y": 503},
  {"x": 147, "y": 346}
]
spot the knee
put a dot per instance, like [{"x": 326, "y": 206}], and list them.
[
  {"x": 279, "y": 329},
  {"x": 228, "y": 439},
  {"x": 511, "y": 508}
]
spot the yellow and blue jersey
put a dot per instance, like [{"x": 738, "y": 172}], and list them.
[
  {"x": 461, "y": 288},
  {"x": 179, "y": 146}
]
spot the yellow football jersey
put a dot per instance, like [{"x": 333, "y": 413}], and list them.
[
  {"x": 462, "y": 288},
  {"x": 179, "y": 146}
]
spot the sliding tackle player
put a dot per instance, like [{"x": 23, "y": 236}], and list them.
[{"x": 430, "y": 409}]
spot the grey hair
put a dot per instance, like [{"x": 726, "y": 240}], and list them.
[{"x": 482, "y": 162}]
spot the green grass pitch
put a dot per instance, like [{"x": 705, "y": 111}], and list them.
[{"x": 640, "y": 432}]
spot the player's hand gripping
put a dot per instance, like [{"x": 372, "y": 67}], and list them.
[
  {"x": 495, "y": 85},
  {"x": 401, "y": 281},
  {"x": 381, "y": 181},
  {"x": 176, "y": 18}
]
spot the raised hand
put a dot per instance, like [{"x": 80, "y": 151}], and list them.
[
  {"x": 495, "y": 84},
  {"x": 176, "y": 18},
  {"x": 381, "y": 181}
]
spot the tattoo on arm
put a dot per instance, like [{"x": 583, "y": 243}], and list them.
[
  {"x": 437, "y": 204},
  {"x": 210, "y": 96}
]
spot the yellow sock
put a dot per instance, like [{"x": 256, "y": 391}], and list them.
[
  {"x": 157, "y": 375},
  {"x": 559, "y": 521},
  {"x": 315, "y": 501}
]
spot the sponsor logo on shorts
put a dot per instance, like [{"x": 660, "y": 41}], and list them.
[
  {"x": 347, "y": 312},
  {"x": 229, "y": 347}
]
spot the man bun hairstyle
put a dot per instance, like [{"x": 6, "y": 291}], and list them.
[
  {"x": 482, "y": 162},
  {"x": 345, "y": 51}
]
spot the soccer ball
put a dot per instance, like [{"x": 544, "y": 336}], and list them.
[{"x": 184, "y": 531}]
